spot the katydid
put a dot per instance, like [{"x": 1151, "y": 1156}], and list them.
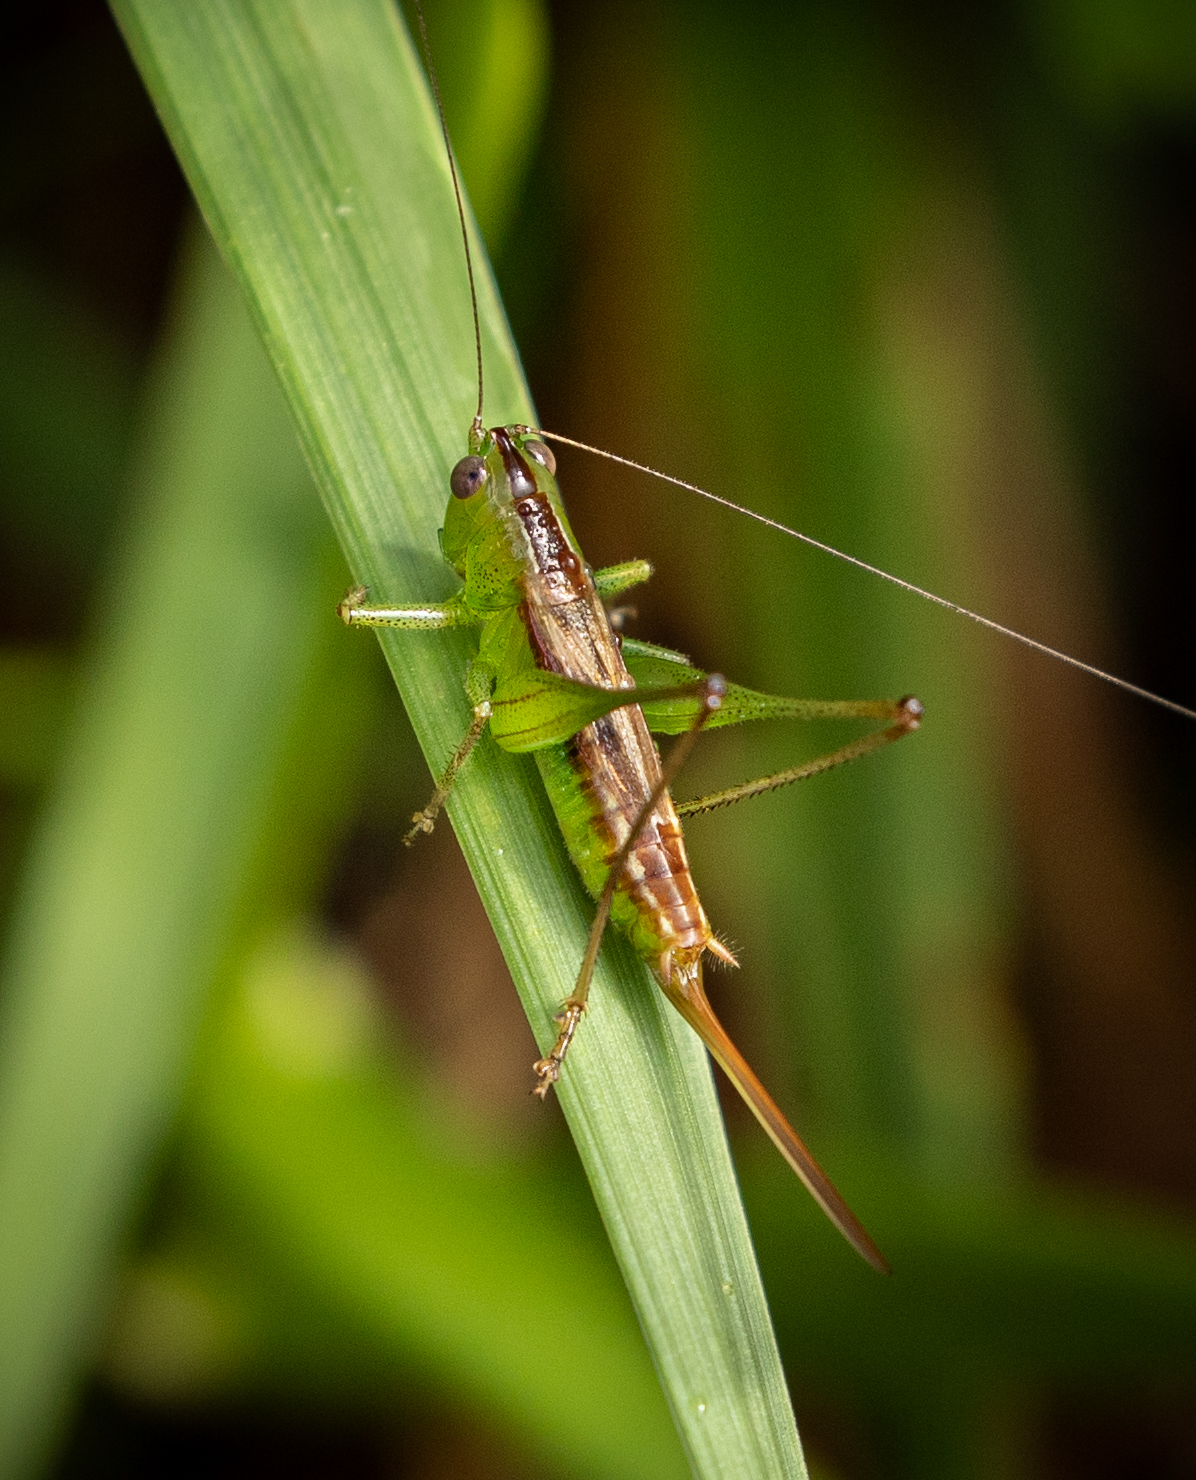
[{"x": 554, "y": 678}]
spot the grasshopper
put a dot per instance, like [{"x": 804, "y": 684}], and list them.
[{"x": 555, "y": 678}]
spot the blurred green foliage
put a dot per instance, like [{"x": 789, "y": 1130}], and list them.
[{"x": 906, "y": 280}]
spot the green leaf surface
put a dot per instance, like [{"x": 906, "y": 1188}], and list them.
[{"x": 312, "y": 147}]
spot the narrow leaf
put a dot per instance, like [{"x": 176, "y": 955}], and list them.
[{"x": 310, "y": 141}]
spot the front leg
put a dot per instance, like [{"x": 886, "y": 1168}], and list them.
[
  {"x": 479, "y": 681},
  {"x": 354, "y": 613}
]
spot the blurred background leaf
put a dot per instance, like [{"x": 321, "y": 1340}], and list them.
[{"x": 921, "y": 282}]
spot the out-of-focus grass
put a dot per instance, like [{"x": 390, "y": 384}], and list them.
[
  {"x": 68, "y": 387},
  {"x": 311, "y": 1161},
  {"x": 34, "y": 699},
  {"x": 124, "y": 907}
]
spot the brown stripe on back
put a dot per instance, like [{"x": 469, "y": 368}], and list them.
[
  {"x": 614, "y": 758},
  {"x": 561, "y": 572},
  {"x": 554, "y": 558}
]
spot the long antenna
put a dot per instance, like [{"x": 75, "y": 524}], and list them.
[
  {"x": 875, "y": 570},
  {"x": 448, "y": 149}
]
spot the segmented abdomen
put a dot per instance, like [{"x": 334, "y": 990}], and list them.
[{"x": 597, "y": 784}]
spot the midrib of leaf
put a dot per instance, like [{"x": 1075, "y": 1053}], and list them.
[{"x": 311, "y": 145}]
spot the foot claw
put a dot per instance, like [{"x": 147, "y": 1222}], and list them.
[
  {"x": 424, "y": 822},
  {"x": 548, "y": 1070},
  {"x": 350, "y": 600}
]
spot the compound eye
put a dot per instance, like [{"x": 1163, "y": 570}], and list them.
[
  {"x": 541, "y": 452},
  {"x": 468, "y": 477}
]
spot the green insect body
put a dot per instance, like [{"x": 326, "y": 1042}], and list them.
[{"x": 553, "y": 678}]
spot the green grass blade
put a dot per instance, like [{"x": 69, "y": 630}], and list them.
[
  {"x": 311, "y": 144},
  {"x": 123, "y": 909}
]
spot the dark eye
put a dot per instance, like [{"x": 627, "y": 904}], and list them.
[
  {"x": 468, "y": 476},
  {"x": 541, "y": 453}
]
